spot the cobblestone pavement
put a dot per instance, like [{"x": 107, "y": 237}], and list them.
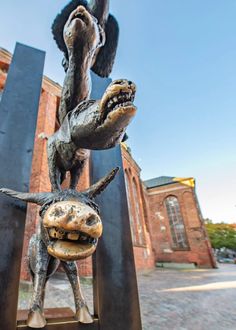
[{"x": 170, "y": 299}]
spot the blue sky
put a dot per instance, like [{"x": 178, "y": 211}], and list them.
[{"x": 181, "y": 54}]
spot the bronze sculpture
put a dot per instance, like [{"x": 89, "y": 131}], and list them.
[
  {"x": 105, "y": 57},
  {"x": 91, "y": 125},
  {"x": 70, "y": 224},
  {"x": 83, "y": 36},
  {"x": 86, "y": 124},
  {"x": 69, "y": 229}
]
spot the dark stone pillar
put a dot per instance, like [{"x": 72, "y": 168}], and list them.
[
  {"x": 115, "y": 283},
  {"x": 18, "y": 117}
]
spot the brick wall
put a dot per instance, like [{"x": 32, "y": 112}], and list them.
[
  {"x": 5, "y": 60},
  {"x": 199, "y": 251},
  {"x": 143, "y": 254}
]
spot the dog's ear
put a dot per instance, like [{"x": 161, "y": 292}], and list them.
[{"x": 106, "y": 55}]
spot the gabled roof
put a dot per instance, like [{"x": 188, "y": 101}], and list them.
[
  {"x": 159, "y": 181},
  {"x": 166, "y": 180}
]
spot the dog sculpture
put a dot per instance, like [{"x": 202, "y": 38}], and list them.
[
  {"x": 91, "y": 125},
  {"x": 69, "y": 229}
]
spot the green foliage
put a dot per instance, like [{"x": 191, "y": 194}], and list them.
[{"x": 221, "y": 235}]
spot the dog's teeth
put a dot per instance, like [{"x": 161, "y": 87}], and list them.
[
  {"x": 53, "y": 232},
  {"x": 110, "y": 103},
  {"x": 60, "y": 234},
  {"x": 73, "y": 236},
  {"x": 128, "y": 96}
]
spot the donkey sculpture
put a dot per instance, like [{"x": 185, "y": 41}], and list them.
[{"x": 69, "y": 229}]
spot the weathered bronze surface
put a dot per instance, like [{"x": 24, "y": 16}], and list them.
[
  {"x": 57, "y": 318},
  {"x": 69, "y": 228},
  {"x": 82, "y": 36},
  {"x": 85, "y": 124},
  {"x": 91, "y": 125},
  {"x": 73, "y": 228},
  {"x": 104, "y": 56}
]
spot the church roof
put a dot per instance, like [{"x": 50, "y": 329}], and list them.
[
  {"x": 159, "y": 181},
  {"x": 165, "y": 180}
]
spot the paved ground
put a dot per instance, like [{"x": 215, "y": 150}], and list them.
[{"x": 170, "y": 299}]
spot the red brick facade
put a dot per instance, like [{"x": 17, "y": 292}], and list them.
[
  {"x": 199, "y": 249},
  {"x": 150, "y": 228},
  {"x": 144, "y": 257}
]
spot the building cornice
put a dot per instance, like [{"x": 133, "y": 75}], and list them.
[{"x": 48, "y": 84}]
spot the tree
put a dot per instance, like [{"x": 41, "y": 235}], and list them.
[{"x": 221, "y": 235}]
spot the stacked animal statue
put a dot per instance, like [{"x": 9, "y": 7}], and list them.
[{"x": 70, "y": 225}]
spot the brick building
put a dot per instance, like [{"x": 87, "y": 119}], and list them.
[
  {"x": 177, "y": 229},
  {"x": 165, "y": 218}
]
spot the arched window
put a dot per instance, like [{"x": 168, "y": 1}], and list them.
[
  {"x": 128, "y": 192},
  {"x": 177, "y": 227},
  {"x": 138, "y": 213}
]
